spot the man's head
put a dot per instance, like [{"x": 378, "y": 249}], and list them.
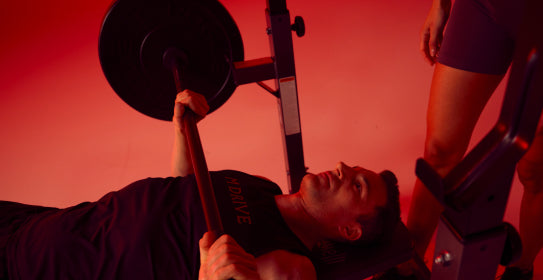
[
  {"x": 352, "y": 204},
  {"x": 382, "y": 224}
]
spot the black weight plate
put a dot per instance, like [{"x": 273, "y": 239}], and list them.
[{"x": 136, "y": 34}]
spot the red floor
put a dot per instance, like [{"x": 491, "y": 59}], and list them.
[{"x": 67, "y": 137}]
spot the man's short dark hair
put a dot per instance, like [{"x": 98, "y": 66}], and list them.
[{"x": 380, "y": 225}]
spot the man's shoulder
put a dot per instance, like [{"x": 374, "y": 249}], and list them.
[{"x": 282, "y": 264}]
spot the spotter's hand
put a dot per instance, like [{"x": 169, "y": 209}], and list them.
[
  {"x": 225, "y": 259},
  {"x": 431, "y": 33},
  {"x": 188, "y": 98}
]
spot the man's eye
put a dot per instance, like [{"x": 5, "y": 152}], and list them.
[{"x": 358, "y": 186}]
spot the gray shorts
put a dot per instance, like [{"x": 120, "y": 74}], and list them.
[{"x": 480, "y": 35}]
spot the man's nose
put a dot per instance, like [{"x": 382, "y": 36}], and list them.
[{"x": 343, "y": 170}]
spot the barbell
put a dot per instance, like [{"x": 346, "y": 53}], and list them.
[{"x": 152, "y": 49}]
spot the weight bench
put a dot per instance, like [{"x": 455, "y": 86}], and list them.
[{"x": 145, "y": 45}]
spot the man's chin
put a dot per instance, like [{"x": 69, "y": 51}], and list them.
[
  {"x": 308, "y": 178},
  {"x": 314, "y": 181}
]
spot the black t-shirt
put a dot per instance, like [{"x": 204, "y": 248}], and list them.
[
  {"x": 147, "y": 230},
  {"x": 249, "y": 213}
]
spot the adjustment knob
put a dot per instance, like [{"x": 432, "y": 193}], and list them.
[{"x": 298, "y": 26}]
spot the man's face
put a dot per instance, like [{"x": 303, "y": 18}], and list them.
[{"x": 341, "y": 195}]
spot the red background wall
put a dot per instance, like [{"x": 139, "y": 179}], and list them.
[{"x": 68, "y": 138}]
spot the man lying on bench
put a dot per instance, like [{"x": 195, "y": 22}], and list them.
[{"x": 151, "y": 228}]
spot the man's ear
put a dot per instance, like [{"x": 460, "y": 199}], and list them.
[{"x": 351, "y": 232}]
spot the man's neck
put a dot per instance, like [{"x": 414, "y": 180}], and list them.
[{"x": 304, "y": 226}]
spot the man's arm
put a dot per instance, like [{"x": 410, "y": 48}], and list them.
[
  {"x": 225, "y": 259},
  {"x": 181, "y": 161}
]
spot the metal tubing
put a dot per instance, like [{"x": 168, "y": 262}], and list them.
[
  {"x": 207, "y": 195},
  {"x": 280, "y": 38}
]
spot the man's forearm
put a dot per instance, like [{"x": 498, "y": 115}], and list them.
[{"x": 181, "y": 161}]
